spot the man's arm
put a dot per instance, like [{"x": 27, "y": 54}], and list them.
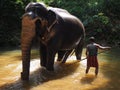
[{"x": 101, "y": 47}]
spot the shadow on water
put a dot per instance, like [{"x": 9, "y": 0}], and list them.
[
  {"x": 70, "y": 75},
  {"x": 88, "y": 79},
  {"x": 41, "y": 76}
]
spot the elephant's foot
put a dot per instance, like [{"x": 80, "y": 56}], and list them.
[
  {"x": 59, "y": 59},
  {"x": 24, "y": 76},
  {"x": 43, "y": 66},
  {"x": 63, "y": 61},
  {"x": 50, "y": 68},
  {"x": 78, "y": 60}
]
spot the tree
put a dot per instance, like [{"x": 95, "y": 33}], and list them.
[{"x": 100, "y": 18}]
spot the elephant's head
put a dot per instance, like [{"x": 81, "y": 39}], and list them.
[
  {"x": 39, "y": 10},
  {"x": 36, "y": 9},
  {"x": 36, "y": 21}
]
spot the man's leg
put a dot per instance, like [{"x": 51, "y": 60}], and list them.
[
  {"x": 87, "y": 69},
  {"x": 96, "y": 71}
]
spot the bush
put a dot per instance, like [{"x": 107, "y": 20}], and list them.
[{"x": 100, "y": 18}]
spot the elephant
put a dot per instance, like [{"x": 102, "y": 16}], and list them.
[{"x": 58, "y": 31}]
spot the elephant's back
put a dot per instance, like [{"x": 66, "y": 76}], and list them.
[
  {"x": 66, "y": 18},
  {"x": 73, "y": 24},
  {"x": 71, "y": 32}
]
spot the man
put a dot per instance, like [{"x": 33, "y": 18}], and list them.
[{"x": 91, "y": 53}]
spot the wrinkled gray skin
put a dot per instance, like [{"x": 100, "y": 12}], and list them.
[{"x": 58, "y": 32}]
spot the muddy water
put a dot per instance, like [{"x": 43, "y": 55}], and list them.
[{"x": 70, "y": 75}]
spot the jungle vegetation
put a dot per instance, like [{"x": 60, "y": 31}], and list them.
[{"x": 101, "y": 18}]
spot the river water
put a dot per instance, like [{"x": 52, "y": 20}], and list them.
[{"x": 68, "y": 76}]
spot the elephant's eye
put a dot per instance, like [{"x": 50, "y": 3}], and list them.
[
  {"x": 37, "y": 10},
  {"x": 33, "y": 9}
]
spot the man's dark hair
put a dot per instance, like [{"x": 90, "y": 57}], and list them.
[{"x": 92, "y": 39}]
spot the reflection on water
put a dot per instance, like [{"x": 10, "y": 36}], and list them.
[{"x": 70, "y": 75}]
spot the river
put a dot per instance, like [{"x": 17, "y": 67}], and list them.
[{"x": 68, "y": 76}]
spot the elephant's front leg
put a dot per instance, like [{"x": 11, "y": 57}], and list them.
[
  {"x": 43, "y": 55},
  {"x": 50, "y": 60},
  {"x": 25, "y": 64}
]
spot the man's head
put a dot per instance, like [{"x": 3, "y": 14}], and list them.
[{"x": 92, "y": 39}]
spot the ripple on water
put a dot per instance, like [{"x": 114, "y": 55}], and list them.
[{"x": 70, "y": 75}]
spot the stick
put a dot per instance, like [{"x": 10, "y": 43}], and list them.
[{"x": 98, "y": 53}]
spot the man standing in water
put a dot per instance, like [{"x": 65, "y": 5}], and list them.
[{"x": 91, "y": 53}]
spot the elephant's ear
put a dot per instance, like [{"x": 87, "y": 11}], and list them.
[{"x": 52, "y": 18}]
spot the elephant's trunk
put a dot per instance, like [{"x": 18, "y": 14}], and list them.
[{"x": 28, "y": 33}]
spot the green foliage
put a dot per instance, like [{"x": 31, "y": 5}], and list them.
[
  {"x": 10, "y": 21},
  {"x": 101, "y": 18}
]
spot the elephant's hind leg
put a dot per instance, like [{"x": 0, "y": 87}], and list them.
[
  {"x": 78, "y": 50},
  {"x": 66, "y": 56},
  {"x": 60, "y": 55}
]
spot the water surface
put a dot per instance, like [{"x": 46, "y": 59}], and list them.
[{"x": 68, "y": 76}]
